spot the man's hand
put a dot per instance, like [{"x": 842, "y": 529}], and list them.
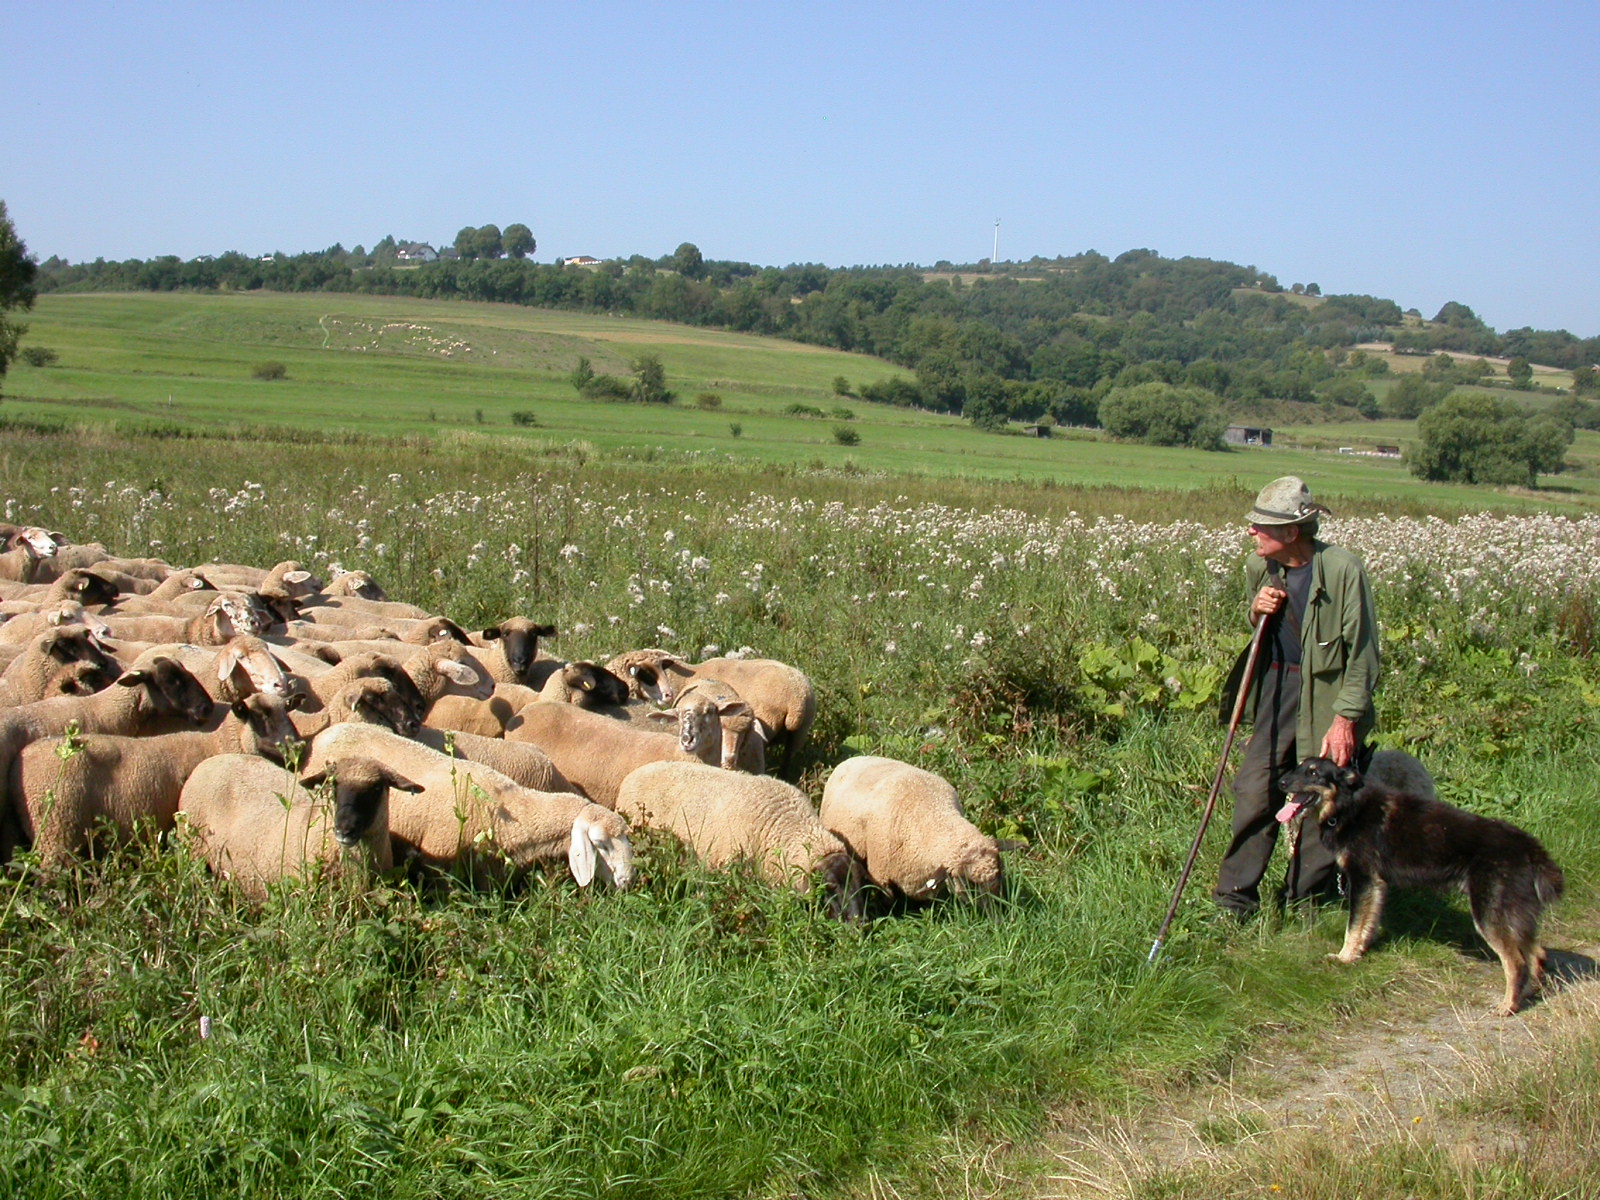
[
  {"x": 1268, "y": 601},
  {"x": 1340, "y": 742}
]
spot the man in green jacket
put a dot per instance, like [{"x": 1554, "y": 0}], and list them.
[{"x": 1312, "y": 691}]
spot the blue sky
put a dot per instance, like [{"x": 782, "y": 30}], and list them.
[{"x": 1423, "y": 152}]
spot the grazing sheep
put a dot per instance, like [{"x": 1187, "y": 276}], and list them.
[
  {"x": 60, "y": 788},
  {"x": 256, "y": 826},
  {"x": 521, "y": 762},
  {"x": 727, "y": 815},
  {"x": 518, "y": 660},
  {"x": 182, "y": 593},
  {"x": 29, "y": 676},
  {"x": 907, "y": 826},
  {"x": 781, "y": 696},
  {"x": 596, "y": 753},
  {"x": 476, "y": 819}
]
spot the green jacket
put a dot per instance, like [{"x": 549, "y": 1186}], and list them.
[{"x": 1338, "y": 646}]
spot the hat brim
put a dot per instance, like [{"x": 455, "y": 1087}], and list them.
[{"x": 1256, "y": 517}]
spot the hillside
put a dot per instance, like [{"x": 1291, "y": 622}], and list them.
[
  {"x": 1017, "y": 341},
  {"x": 182, "y": 364}
]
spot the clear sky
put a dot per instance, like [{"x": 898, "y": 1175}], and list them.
[{"x": 1422, "y": 152}]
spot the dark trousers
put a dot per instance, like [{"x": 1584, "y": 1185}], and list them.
[{"x": 1268, "y": 755}]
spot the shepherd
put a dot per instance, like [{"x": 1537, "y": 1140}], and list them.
[{"x": 1311, "y": 695}]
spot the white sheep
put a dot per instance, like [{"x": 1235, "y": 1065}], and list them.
[
  {"x": 782, "y": 697},
  {"x": 62, "y": 787},
  {"x": 907, "y": 826},
  {"x": 245, "y": 665},
  {"x": 29, "y": 547},
  {"x": 728, "y": 815},
  {"x": 519, "y": 660},
  {"x": 255, "y": 824},
  {"x": 743, "y": 741},
  {"x": 595, "y": 753},
  {"x": 29, "y": 676},
  {"x": 476, "y": 819}
]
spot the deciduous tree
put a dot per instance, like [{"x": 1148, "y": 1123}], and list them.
[
  {"x": 517, "y": 241},
  {"x": 17, "y": 273},
  {"x": 1473, "y": 437}
]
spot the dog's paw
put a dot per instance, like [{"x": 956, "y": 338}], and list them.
[{"x": 1345, "y": 956}]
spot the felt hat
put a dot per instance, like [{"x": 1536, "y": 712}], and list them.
[{"x": 1285, "y": 501}]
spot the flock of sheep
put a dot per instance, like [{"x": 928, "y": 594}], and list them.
[{"x": 286, "y": 726}]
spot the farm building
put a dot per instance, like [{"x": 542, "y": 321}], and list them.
[
  {"x": 415, "y": 252},
  {"x": 580, "y": 260},
  {"x": 1247, "y": 435}
]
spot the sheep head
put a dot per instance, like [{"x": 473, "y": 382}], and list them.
[
  {"x": 600, "y": 842},
  {"x": 169, "y": 690}
]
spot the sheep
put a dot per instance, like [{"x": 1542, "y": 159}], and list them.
[
  {"x": 355, "y": 583},
  {"x": 475, "y": 818},
  {"x": 781, "y": 696},
  {"x": 152, "y": 699},
  {"x": 486, "y": 718},
  {"x": 85, "y": 587},
  {"x": 61, "y": 788},
  {"x": 30, "y": 546},
  {"x": 444, "y": 667},
  {"x": 184, "y": 592},
  {"x": 596, "y": 754},
  {"x": 587, "y": 685},
  {"x": 724, "y": 815},
  {"x": 907, "y": 826},
  {"x": 375, "y": 701},
  {"x": 224, "y": 619},
  {"x": 24, "y": 627},
  {"x": 743, "y": 747},
  {"x": 29, "y": 675},
  {"x": 245, "y": 665},
  {"x": 256, "y": 826},
  {"x": 353, "y": 610},
  {"x": 518, "y": 660},
  {"x": 325, "y": 688}
]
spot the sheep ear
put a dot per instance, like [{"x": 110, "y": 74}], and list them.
[
  {"x": 544, "y": 631},
  {"x": 132, "y": 678},
  {"x": 661, "y": 714},
  {"x": 733, "y": 708},
  {"x": 314, "y": 779},
  {"x": 457, "y": 672},
  {"x": 491, "y": 633},
  {"x": 580, "y": 853},
  {"x": 230, "y": 658},
  {"x": 400, "y": 783}
]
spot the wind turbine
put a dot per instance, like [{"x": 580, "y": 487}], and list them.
[{"x": 995, "y": 257}]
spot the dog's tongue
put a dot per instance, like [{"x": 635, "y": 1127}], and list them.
[{"x": 1290, "y": 810}]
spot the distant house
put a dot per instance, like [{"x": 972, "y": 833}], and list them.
[
  {"x": 418, "y": 252},
  {"x": 1247, "y": 435},
  {"x": 450, "y": 253},
  {"x": 581, "y": 260},
  {"x": 1387, "y": 451},
  {"x": 1036, "y": 431}
]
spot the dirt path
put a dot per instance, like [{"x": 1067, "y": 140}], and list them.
[{"x": 1369, "y": 1080}]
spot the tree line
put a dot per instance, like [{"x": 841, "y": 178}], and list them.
[{"x": 1048, "y": 339}]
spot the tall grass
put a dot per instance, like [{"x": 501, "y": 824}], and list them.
[{"x": 1052, "y": 654}]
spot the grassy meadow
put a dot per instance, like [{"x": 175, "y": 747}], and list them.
[
  {"x": 388, "y": 366},
  {"x": 1048, "y": 633}
]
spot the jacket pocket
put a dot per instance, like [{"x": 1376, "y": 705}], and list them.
[{"x": 1328, "y": 657}]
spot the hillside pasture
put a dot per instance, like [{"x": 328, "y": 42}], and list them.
[
  {"x": 1054, "y": 651},
  {"x": 377, "y": 367}
]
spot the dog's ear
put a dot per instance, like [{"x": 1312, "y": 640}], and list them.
[{"x": 1350, "y": 777}]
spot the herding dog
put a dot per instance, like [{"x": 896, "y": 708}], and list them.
[{"x": 1381, "y": 836}]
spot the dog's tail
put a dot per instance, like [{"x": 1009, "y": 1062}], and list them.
[{"x": 1549, "y": 882}]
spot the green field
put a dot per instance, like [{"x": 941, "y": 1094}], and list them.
[{"x": 393, "y": 366}]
